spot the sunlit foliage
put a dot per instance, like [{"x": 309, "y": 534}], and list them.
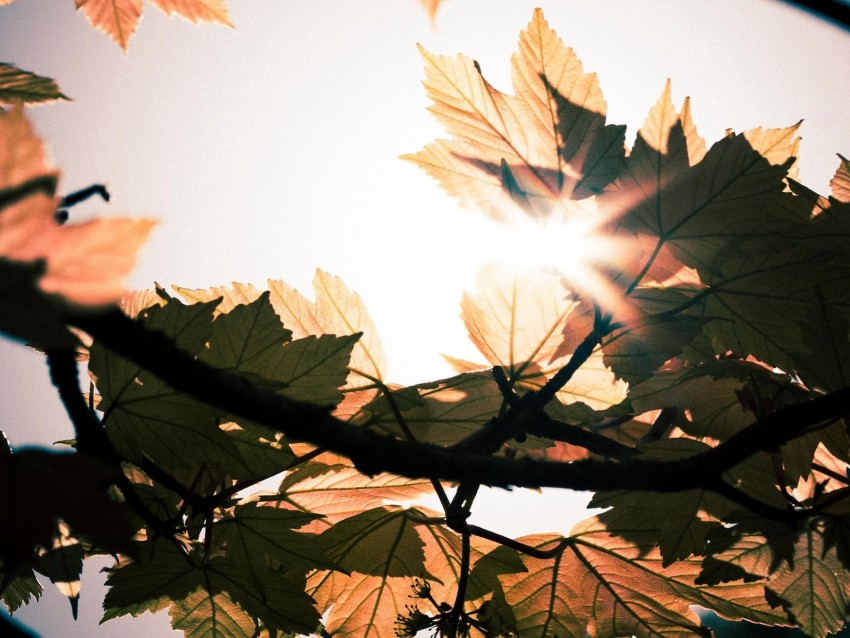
[{"x": 679, "y": 347}]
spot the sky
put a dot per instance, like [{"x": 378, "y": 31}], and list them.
[{"x": 272, "y": 149}]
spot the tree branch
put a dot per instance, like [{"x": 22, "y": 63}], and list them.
[{"x": 373, "y": 453}]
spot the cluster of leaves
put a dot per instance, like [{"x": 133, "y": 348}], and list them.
[{"x": 692, "y": 371}]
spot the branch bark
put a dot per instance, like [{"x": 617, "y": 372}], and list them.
[{"x": 373, "y": 453}]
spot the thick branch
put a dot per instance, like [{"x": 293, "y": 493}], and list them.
[{"x": 373, "y": 453}]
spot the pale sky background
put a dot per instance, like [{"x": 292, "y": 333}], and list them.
[{"x": 271, "y": 149}]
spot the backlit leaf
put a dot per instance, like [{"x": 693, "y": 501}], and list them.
[
  {"x": 840, "y": 183},
  {"x": 606, "y": 586},
  {"x": 547, "y": 141},
  {"x": 86, "y": 263},
  {"x": 196, "y": 10},
  {"x": 116, "y": 18},
  {"x": 336, "y": 311},
  {"x": 254, "y": 533},
  {"x": 201, "y": 615},
  {"x": 378, "y": 542},
  {"x": 339, "y": 492},
  {"x": 812, "y": 590}
]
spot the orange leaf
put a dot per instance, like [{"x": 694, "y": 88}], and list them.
[
  {"x": 116, "y": 18},
  {"x": 196, "y": 10},
  {"x": 85, "y": 263}
]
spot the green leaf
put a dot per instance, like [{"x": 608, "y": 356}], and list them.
[
  {"x": 712, "y": 402},
  {"x": 17, "y": 85},
  {"x": 189, "y": 327},
  {"x": 161, "y": 575},
  {"x": 722, "y": 203},
  {"x": 447, "y": 410},
  {"x": 635, "y": 353},
  {"x": 262, "y": 451},
  {"x": 201, "y": 615},
  {"x": 279, "y": 602},
  {"x": 158, "y": 575},
  {"x": 309, "y": 369},
  {"x": 242, "y": 338},
  {"x": 813, "y": 591},
  {"x": 338, "y": 311},
  {"x": 20, "y": 591},
  {"x": 254, "y": 533},
  {"x": 378, "y": 542},
  {"x": 826, "y": 363}
]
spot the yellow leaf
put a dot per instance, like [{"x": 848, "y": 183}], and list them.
[
  {"x": 840, "y": 183},
  {"x": 116, "y": 18},
  {"x": 516, "y": 319},
  {"x": 196, "y": 10},
  {"x": 231, "y": 296},
  {"x": 548, "y": 141},
  {"x": 338, "y": 311}
]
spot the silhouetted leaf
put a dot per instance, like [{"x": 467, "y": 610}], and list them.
[{"x": 17, "y": 85}]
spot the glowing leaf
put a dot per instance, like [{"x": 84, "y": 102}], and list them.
[
  {"x": 379, "y": 542},
  {"x": 254, "y": 534},
  {"x": 85, "y": 263},
  {"x": 383, "y": 550},
  {"x": 431, "y": 7},
  {"x": 116, "y": 18},
  {"x": 840, "y": 183},
  {"x": 203, "y": 615},
  {"x": 606, "y": 586},
  {"x": 17, "y": 85},
  {"x": 196, "y": 10},
  {"x": 546, "y": 142},
  {"x": 338, "y": 492},
  {"x": 336, "y": 311}
]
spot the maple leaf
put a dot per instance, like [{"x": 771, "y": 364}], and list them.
[
  {"x": 517, "y": 322},
  {"x": 116, "y": 18},
  {"x": 383, "y": 551},
  {"x": 17, "y": 85},
  {"x": 202, "y": 614},
  {"x": 196, "y": 10},
  {"x": 606, "y": 586},
  {"x": 840, "y": 182},
  {"x": 337, "y": 311},
  {"x": 79, "y": 263},
  {"x": 547, "y": 141},
  {"x": 338, "y": 491},
  {"x": 119, "y": 18}
]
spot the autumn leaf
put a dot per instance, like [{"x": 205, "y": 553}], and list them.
[
  {"x": 431, "y": 7},
  {"x": 196, "y": 10},
  {"x": 547, "y": 141},
  {"x": 119, "y": 18},
  {"x": 116, "y": 18},
  {"x": 338, "y": 492},
  {"x": 201, "y": 614},
  {"x": 17, "y": 85},
  {"x": 606, "y": 586},
  {"x": 85, "y": 263},
  {"x": 517, "y": 321},
  {"x": 840, "y": 182},
  {"x": 337, "y": 311}
]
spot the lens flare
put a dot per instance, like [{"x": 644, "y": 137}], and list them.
[{"x": 574, "y": 242}]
